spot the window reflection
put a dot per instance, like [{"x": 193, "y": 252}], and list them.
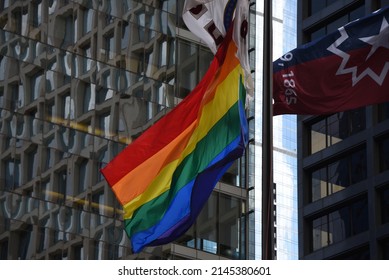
[
  {"x": 338, "y": 175},
  {"x": 229, "y": 220},
  {"x": 315, "y": 6},
  {"x": 88, "y": 16},
  {"x": 12, "y": 174},
  {"x": 37, "y": 13},
  {"x": 206, "y": 226},
  {"x": 33, "y": 163},
  {"x": 24, "y": 251},
  {"x": 218, "y": 228},
  {"x": 384, "y": 194},
  {"x": 340, "y": 224},
  {"x": 383, "y": 112},
  {"x": 383, "y": 154},
  {"x": 385, "y": 249},
  {"x": 336, "y": 128}
]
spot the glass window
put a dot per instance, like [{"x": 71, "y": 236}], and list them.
[
  {"x": 385, "y": 205},
  {"x": 67, "y": 107},
  {"x": 98, "y": 204},
  {"x": 125, "y": 35},
  {"x": 43, "y": 234},
  {"x": 315, "y": 6},
  {"x": 37, "y": 13},
  {"x": 104, "y": 125},
  {"x": 3, "y": 64},
  {"x": 335, "y": 128},
  {"x": 358, "y": 254},
  {"x": 357, "y": 13},
  {"x": 338, "y": 175},
  {"x": 2, "y": 102},
  {"x": 4, "y": 249},
  {"x": 36, "y": 85},
  {"x": 319, "y": 33},
  {"x": 82, "y": 175},
  {"x": 60, "y": 186},
  {"x": 48, "y": 156},
  {"x": 187, "y": 74},
  {"x": 229, "y": 228},
  {"x": 385, "y": 248},
  {"x": 232, "y": 175},
  {"x": 86, "y": 61},
  {"x": 383, "y": 112},
  {"x": 5, "y": 4},
  {"x": 33, "y": 163},
  {"x": 318, "y": 5},
  {"x": 78, "y": 252},
  {"x": 23, "y": 236},
  {"x": 109, "y": 44},
  {"x": 333, "y": 23},
  {"x": 12, "y": 174},
  {"x": 206, "y": 226},
  {"x": 89, "y": 96},
  {"x": 383, "y": 154},
  {"x": 340, "y": 224},
  {"x": 338, "y": 22},
  {"x": 17, "y": 96},
  {"x": 88, "y": 20},
  {"x": 193, "y": 63},
  {"x": 68, "y": 31}
]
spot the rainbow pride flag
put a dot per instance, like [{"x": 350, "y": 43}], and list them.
[{"x": 164, "y": 178}]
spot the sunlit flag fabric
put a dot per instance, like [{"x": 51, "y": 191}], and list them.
[
  {"x": 345, "y": 70},
  {"x": 164, "y": 178}
]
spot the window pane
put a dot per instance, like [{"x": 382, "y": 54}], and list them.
[
  {"x": 230, "y": 211},
  {"x": 383, "y": 153},
  {"x": 320, "y": 233},
  {"x": 385, "y": 205},
  {"x": 340, "y": 224},
  {"x": 339, "y": 175},
  {"x": 383, "y": 112},
  {"x": 206, "y": 226},
  {"x": 337, "y": 127},
  {"x": 318, "y": 136}
]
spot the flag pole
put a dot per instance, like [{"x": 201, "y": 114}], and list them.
[{"x": 267, "y": 137}]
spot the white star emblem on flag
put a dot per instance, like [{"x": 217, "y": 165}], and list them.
[{"x": 376, "y": 41}]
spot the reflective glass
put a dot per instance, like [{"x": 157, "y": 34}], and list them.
[
  {"x": 338, "y": 175},
  {"x": 385, "y": 205},
  {"x": 37, "y": 13},
  {"x": 335, "y": 128},
  {"x": 229, "y": 228},
  {"x": 88, "y": 18},
  {"x": 383, "y": 154},
  {"x": 340, "y": 224},
  {"x": 33, "y": 163},
  {"x": 206, "y": 226},
  {"x": 187, "y": 68},
  {"x": 383, "y": 112}
]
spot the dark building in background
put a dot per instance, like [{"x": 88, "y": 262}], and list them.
[
  {"x": 79, "y": 80},
  {"x": 343, "y": 160}
]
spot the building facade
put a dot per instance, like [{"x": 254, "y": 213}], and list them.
[
  {"x": 80, "y": 80},
  {"x": 343, "y": 160}
]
